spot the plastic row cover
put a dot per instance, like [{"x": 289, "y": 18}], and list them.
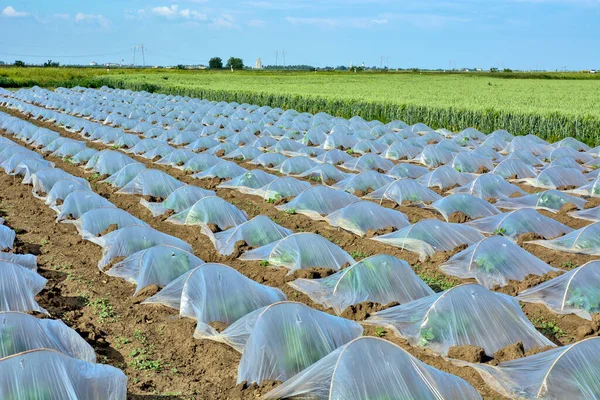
[
  {"x": 215, "y": 293},
  {"x": 468, "y": 314},
  {"x": 373, "y": 368},
  {"x": 18, "y": 287}
]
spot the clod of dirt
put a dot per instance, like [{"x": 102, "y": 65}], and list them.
[
  {"x": 567, "y": 207},
  {"x": 372, "y": 233},
  {"x": 566, "y": 187},
  {"x": 238, "y": 248},
  {"x": 147, "y": 291},
  {"x": 362, "y": 311},
  {"x": 536, "y": 350},
  {"x": 458, "y": 217},
  {"x": 482, "y": 170},
  {"x": 153, "y": 199},
  {"x": 220, "y": 153},
  {"x": 527, "y": 237},
  {"x": 473, "y": 354},
  {"x": 110, "y": 229},
  {"x": 330, "y": 182},
  {"x": 312, "y": 273},
  {"x": 214, "y": 228},
  {"x": 510, "y": 352},
  {"x": 245, "y": 390},
  {"x": 583, "y": 331},
  {"x": 219, "y": 326},
  {"x": 515, "y": 194}
]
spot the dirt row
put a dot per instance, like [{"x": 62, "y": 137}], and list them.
[{"x": 154, "y": 320}]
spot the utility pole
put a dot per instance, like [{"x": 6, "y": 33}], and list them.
[
  {"x": 276, "y": 58},
  {"x": 387, "y": 62},
  {"x": 283, "y": 53},
  {"x": 134, "y": 47},
  {"x": 143, "y": 55}
]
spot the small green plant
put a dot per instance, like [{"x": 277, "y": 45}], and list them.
[
  {"x": 264, "y": 263},
  {"x": 103, "y": 309},
  {"x": 44, "y": 242},
  {"x": 291, "y": 211},
  {"x": 548, "y": 328},
  {"x": 500, "y": 231},
  {"x": 459, "y": 169},
  {"x": 350, "y": 151},
  {"x": 121, "y": 341},
  {"x": 142, "y": 361},
  {"x": 380, "y": 332},
  {"x": 358, "y": 254},
  {"x": 62, "y": 267},
  {"x": 140, "y": 336},
  {"x": 274, "y": 199},
  {"x": 93, "y": 177},
  {"x": 569, "y": 265},
  {"x": 68, "y": 160}
]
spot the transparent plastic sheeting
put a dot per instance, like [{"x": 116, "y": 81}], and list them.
[
  {"x": 591, "y": 214},
  {"x": 373, "y": 368},
  {"x": 7, "y": 237},
  {"x": 472, "y": 206},
  {"x": 282, "y": 339},
  {"x": 568, "y": 372},
  {"x": 28, "y": 261},
  {"x": 21, "y": 332},
  {"x": 404, "y": 190},
  {"x": 283, "y": 187},
  {"x": 429, "y": 236},
  {"x": 44, "y": 179},
  {"x": 514, "y": 168},
  {"x": 468, "y": 314},
  {"x": 215, "y": 293},
  {"x": 79, "y": 202},
  {"x": 107, "y": 162},
  {"x": 518, "y": 222},
  {"x": 489, "y": 186},
  {"x": 158, "y": 265},
  {"x": 131, "y": 239},
  {"x": 248, "y": 181},
  {"x": 18, "y": 287},
  {"x": 210, "y": 210},
  {"x": 557, "y": 178},
  {"x": 551, "y": 200},
  {"x": 180, "y": 199},
  {"x": 151, "y": 182},
  {"x": 494, "y": 261},
  {"x": 48, "y": 374},
  {"x": 364, "y": 216},
  {"x": 95, "y": 222},
  {"x": 301, "y": 251},
  {"x": 582, "y": 241},
  {"x": 62, "y": 189},
  {"x": 318, "y": 201},
  {"x": 125, "y": 175},
  {"x": 575, "y": 292},
  {"x": 445, "y": 177},
  {"x": 257, "y": 232},
  {"x": 381, "y": 279}
]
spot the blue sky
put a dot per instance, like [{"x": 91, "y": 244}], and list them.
[{"x": 519, "y": 34}]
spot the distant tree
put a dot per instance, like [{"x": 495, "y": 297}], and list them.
[
  {"x": 20, "y": 63},
  {"x": 493, "y": 69},
  {"x": 414, "y": 69},
  {"x": 2, "y": 63},
  {"x": 180, "y": 66},
  {"x": 51, "y": 63},
  {"x": 507, "y": 70},
  {"x": 235, "y": 63},
  {"x": 215, "y": 63},
  {"x": 341, "y": 68}
]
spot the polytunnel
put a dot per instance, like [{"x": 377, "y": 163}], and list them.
[
  {"x": 514, "y": 168},
  {"x": 318, "y": 201},
  {"x": 158, "y": 153},
  {"x": 185, "y": 138},
  {"x": 575, "y": 292},
  {"x": 200, "y": 162},
  {"x": 561, "y": 152},
  {"x": 363, "y": 182},
  {"x": 153, "y": 183},
  {"x": 98, "y": 221},
  {"x": 215, "y": 293},
  {"x": 69, "y": 149},
  {"x": 125, "y": 175},
  {"x": 281, "y": 188},
  {"x": 44, "y": 179},
  {"x": 145, "y": 145},
  {"x": 365, "y": 146},
  {"x": 369, "y": 162},
  {"x": 78, "y": 203},
  {"x": 48, "y": 374},
  {"x": 568, "y": 372},
  {"x": 301, "y": 251},
  {"x": 13, "y": 161},
  {"x": 177, "y": 158},
  {"x": 373, "y": 368},
  {"x": 334, "y": 157},
  {"x": 210, "y": 210},
  {"x": 405, "y": 170},
  {"x": 282, "y": 339},
  {"x": 21, "y": 332},
  {"x": 339, "y": 140},
  {"x": 295, "y": 165},
  {"x": 269, "y": 160},
  {"x": 471, "y": 163},
  {"x": 107, "y": 162},
  {"x": 84, "y": 156},
  {"x": 7, "y": 236},
  {"x": 568, "y": 162},
  {"x": 249, "y": 181},
  {"x": 467, "y": 314},
  {"x": 131, "y": 239},
  {"x": 263, "y": 143},
  {"x": 433, "y": 156},
  {"x": 56, "y": 144},
  {"x": 494, "y": 261},
  {"x": 381, "y": 279},
  {"x": 158, "y": 265},
  {"x": 404, "y": 190},
  {"x": 364, "y": 216},
  {"x": 472, "y": 206},
  {"x": 401, "y": 151},
  {"x": 591, "y": 189},
  {"x": 561, "y": 178},
  {"x": 526, "y": 157},
  {"x": 487, "y": 152},
  {"x": 28, "y": 261},
  {"x": 325, "y": 173},
  {"x": 181, "y": 198},
  {"x": 18, "y": 288},
  {"x": 489, "y": 186},
  {"x": 257, "y": 232},
  {"x": 551, "y": 200},
  {"x": 530, "y": 143},
  {"x": 245, "y": 153},
  {"x": 582, "y": 241},
  {"x": 445, "y": 177},
  {"x": 222, "y": 170},
  {"x": 429, "y": 236},
  {"x": 202, "y": 144},
  {"x": 514, "y": 223}
]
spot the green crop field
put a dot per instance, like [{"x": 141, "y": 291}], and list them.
[{"x": 567, "y": 105}]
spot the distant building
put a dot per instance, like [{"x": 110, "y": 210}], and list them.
[
  {"x": 258, "y": 64},
  {"x": 93, "y": 64},
  {"x": 592, "y": 71}
]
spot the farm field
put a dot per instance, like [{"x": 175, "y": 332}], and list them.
[
  {"x": 393, "y": 216},
  {"x": 553, "y": 105}
]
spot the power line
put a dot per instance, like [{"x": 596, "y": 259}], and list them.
[{"x": 62, "y": 56}]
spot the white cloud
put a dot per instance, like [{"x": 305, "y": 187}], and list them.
[
  {"x": 10, "y": 12},
  {"x": 225, "y": 21},
  {"x": 173, "y": 12},
  {"x": 92, "y": 18},
  {"x": 62, "y": 16}
]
